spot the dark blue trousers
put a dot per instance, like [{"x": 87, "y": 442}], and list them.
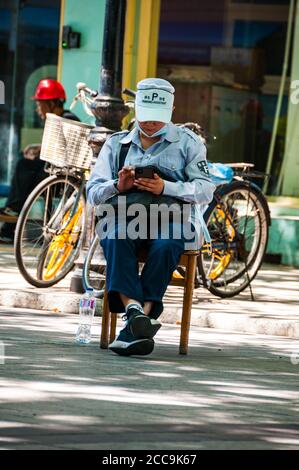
[{"x": 122, "y": 275}]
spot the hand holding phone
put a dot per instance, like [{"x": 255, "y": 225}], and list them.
[
  {"x": 126, "y": 178},
  {"x": 144, "y": 172},
  {"x": 146, "y": 179}
]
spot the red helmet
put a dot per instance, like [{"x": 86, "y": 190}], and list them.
[{"x": 49, "y": 89}]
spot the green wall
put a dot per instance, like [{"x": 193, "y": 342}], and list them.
[
  {"x": 284, "y": 230},
  {"x": 290, "y": 182},
  {"x": 83, "y": 64}
]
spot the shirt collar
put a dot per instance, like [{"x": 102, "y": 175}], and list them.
[
  {"x": 130, "y": 137},
  {"x": 172, "y": 135}
]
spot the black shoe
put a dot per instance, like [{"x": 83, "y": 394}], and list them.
[
  {"x": 127, "y": 345},
  {"x": 141, "y": 325}
]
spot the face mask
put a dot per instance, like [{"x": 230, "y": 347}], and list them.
[{"x": 162, "y": 131}]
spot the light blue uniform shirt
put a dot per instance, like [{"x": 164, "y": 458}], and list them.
[{"x": 179, "y": 153}]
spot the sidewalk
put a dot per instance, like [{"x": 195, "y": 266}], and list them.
[
  {"x": 275, "y": 310},
  {"x": 232, "y": 391}
]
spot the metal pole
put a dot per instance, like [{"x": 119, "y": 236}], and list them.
[
  {"x": 284, "y": 161},
  {"x": 12, "y": 146},
  {"x": 112, "y": 58},
  {"x": 109, "y": 108},
  {"x": 280, "y": 96}
]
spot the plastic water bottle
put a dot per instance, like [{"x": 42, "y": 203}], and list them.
[{"x": 86, "y": 313}]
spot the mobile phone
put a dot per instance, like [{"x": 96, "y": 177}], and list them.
[{"x": 144, "y": 172}]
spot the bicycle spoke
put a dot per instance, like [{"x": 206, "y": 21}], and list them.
[
  {"x": 239, "y": 231},
  {"x": 47, "y": 237}
]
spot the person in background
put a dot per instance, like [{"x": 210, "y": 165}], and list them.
[{"x": 50, "y": 98}]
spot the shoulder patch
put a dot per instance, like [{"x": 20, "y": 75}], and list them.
[{"x": 203, "y": 167}]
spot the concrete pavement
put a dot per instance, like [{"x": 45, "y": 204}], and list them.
[{"x": 233, "y": 391}]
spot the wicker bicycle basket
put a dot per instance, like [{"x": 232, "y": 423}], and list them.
[{"x": 64, "y": 143}]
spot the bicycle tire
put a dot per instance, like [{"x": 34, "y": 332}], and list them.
[
  {"x": 29, "y": 264},
  {"x": 93, "y": 273},
  {"x": 227, "y": 283}
]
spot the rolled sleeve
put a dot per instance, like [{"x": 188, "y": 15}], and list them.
[{"x": 170, "y": 188}]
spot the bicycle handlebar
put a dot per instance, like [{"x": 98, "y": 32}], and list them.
[
  {"x": 86, "y": 95},
  {"x": 129, "y": 92},
  {"x": 83, "y": 87}
]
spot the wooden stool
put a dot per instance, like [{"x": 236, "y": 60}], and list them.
[{"x": 187, "y": 260}]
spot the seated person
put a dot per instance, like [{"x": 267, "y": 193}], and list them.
[
  {"x": 181, "y": 176},
  {"x": 50, "y": 97}
]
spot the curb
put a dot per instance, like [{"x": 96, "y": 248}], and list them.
[
  {"x": 241, "y": 323},
  {"x": 53, "y": 301},
  {"x": 68, "y": 302}
]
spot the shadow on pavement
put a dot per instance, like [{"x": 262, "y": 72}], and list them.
[{"x": 231, "y": 392}]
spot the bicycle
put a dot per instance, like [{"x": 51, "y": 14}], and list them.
[
  {"x": 52, "y": 222},
  {"x": 51, "y": 225},
  {"x": 238, "y": 219},
  {"x": 47, "y": 238}
]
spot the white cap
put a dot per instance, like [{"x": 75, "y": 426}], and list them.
[{"x": 154, "y": 100}]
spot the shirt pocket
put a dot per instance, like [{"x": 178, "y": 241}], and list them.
[{"x": 172, "y": 160}]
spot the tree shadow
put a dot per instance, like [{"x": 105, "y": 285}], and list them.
[{"x": 231, "y": 391}]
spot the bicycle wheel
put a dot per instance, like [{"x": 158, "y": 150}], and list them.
[
  {"x": 94, "y": 269},
  {"x": 238, "y": 220},
  {"x": 47, "y": 238}
]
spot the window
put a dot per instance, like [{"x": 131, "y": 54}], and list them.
[{"x": 29, "y": 32}]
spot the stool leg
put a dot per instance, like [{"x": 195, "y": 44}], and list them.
[
  {"x": 187, "y": 303},
  {"x": 112, "y": 327},
  {"x": 105, "y": 322}
]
